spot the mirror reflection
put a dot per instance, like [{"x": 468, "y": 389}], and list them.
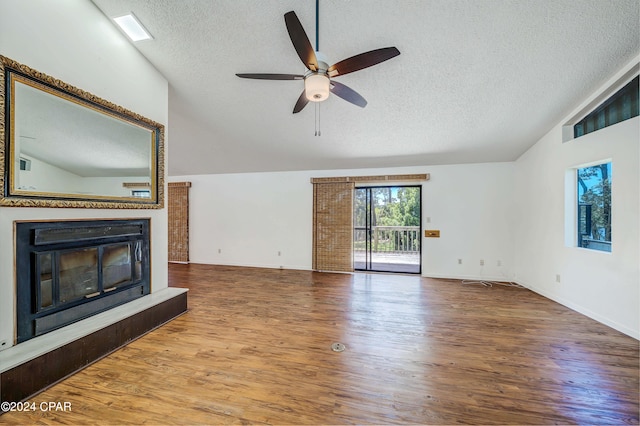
[
  {"x": 69, "y": 147},
  {"x": 62, "y": 147}
]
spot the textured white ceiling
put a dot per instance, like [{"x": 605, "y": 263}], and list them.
[{"x": 476, "y": 81}]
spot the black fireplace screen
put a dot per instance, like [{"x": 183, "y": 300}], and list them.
[{"x": 67, "y": 271}]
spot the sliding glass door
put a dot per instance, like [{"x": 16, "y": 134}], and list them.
[{"x": 387, "y": 229}]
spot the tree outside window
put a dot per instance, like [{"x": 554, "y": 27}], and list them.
[{"x": 594, "y": 207}]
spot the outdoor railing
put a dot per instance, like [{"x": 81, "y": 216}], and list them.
[{"x": 388, "y": 239}]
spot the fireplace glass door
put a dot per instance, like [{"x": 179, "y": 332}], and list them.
[
  {"x": 116, "y": 266},
  {"x": 68, "y": 271},
  {"x": 87, "y": 272},
  {"x": 78, "y": 274}
]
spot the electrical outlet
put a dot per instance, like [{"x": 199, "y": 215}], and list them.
[
  {"x": 219, "y": 251},
  {"x": 459, "y": 261},
  {"x": 428, "y": 220},
  {"x": 481, "y": 262},
  {"x": 557, "y": 278},
  {"x": 499, "y": 263},
  {"x": 279, "y": 253}
]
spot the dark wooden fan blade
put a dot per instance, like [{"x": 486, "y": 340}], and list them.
[
  {"x": 302, "y": 102},
  {"x": 300, "y": 41},
  {"x": 363, "y": 60},
  {"x": 272, "y": 76},
  {"x": 348, "y": 94}
]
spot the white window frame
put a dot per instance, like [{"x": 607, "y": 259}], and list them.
[{"x": 571, "y": 205}]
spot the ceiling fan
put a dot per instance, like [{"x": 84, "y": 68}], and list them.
[{"x": 318, "y": 79}]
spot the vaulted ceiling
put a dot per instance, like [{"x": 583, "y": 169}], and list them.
[{"x": 476, "y": 80}]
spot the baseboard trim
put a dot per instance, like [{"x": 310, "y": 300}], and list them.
[
  {"x": 501, "y": 279},
  {"x": 251, "y": 265},
  {"x": 584, "y": 311}
]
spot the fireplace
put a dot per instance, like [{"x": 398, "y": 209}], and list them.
[{"x": 70, "y": 270}]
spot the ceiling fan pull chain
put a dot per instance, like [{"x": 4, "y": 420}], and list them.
[{"x": 317, "y": 121}]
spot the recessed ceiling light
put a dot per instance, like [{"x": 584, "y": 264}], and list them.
[{"x": 132, "y": 27}]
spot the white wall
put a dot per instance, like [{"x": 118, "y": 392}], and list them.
[
  {"x": 250, "y": 217},
  {"x": 73, "y": 41},
  {"x": 44, "y": 177},
  {"x": 604, "y": 286},
  {"x": 112, "y": 185},
  {"x": 512, "y": 213},
  {"x": 472, "y": 205}
]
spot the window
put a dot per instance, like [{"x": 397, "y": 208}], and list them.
[
  {"x": 621, "y": 106},
  {"x": 25, "y": 165},
  {"x": 594, "y": 207},
  {"x": 142, "y": 193}
]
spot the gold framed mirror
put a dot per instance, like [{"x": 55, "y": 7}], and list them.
[{"x": 63, "y": 147}]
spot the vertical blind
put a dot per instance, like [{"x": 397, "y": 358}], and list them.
[
  {"x": 178, "y": 218},
  {"x": 333, "y": 226}
]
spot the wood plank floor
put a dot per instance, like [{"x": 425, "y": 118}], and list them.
[{"x": 255, "y": 348}]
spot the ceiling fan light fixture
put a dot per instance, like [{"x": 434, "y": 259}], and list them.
[{"x": 316, "y": 87}]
